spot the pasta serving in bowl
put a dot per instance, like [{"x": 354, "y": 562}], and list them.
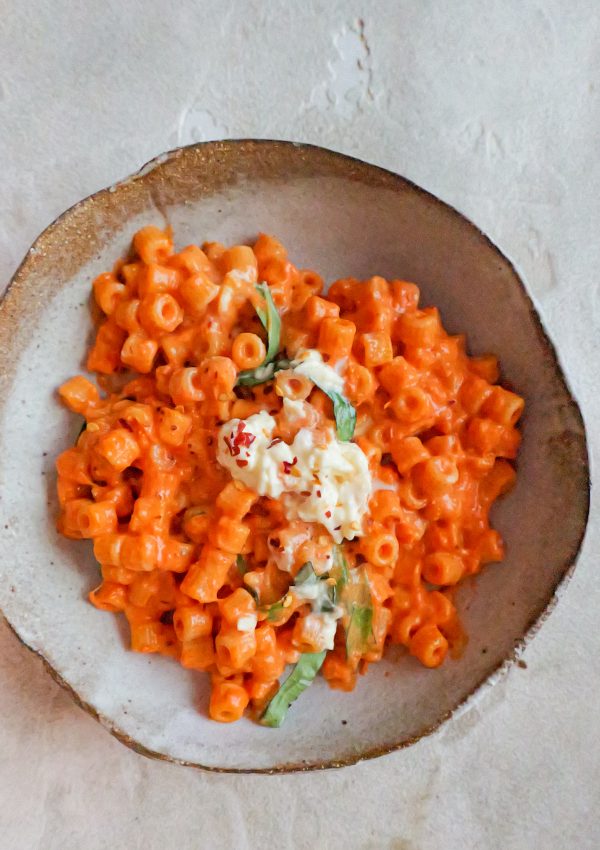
[
  {"x": 286, "y": 448},
  {"x": 284, "y": 476}
]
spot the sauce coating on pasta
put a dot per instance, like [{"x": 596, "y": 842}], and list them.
[{"x": 272, "y": 475}]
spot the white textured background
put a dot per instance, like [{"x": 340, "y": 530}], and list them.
[{"x": 494, "y": 105}]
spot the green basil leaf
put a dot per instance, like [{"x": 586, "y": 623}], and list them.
[
  {"x": 358, "y": 605},
  {"x": 305, "y": 574},
  {"x": 345, "y": 414},
  {"x": 339, "y": 571},
  {"x": 262, "y": 374},
  {"x": 81, "y": 430},
  {"x": 359, "y": 630},
  {"x": 271, "y": 321},
  {"x": 273, "y": 611},
  {"x": 303, "y": 674},
  {"x": 328, "y": 604},
  {"x": 353, "y": 592},
  {"x": 242, "y": 567}
]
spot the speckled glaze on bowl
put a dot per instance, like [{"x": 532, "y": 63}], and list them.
[{"x": 339, "y": 216}]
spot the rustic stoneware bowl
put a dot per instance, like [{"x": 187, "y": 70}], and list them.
[{"x": 341, "y": 217}]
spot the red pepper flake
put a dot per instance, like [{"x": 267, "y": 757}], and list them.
[
  {"x": 305, "y": 492},
  {"x": 274, "y": 442},
  {"x": 327, "y": 513},
  {"x": 240, "y": 439},
  {"x": 318, "y": 494},
  {"x": 287, "y": 466},
  {"x": 337, "y": 528},
  {"x": 233, "y": 450},
  {"x": 242, "y": 462}
]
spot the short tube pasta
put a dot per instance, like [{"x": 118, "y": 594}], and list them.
[
  {"x": 429, "y": 645},
  {"x": 201, "y": 422},
  {"x": 248, "y": 351}
]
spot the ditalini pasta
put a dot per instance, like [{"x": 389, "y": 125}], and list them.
[{"x": 272, "y": 476}]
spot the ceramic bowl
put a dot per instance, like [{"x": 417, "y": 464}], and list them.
[{"x": 341, "y": 217}]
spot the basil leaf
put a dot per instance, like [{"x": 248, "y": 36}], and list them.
[
  {"x": 274, "y": 610},
  {"x": 242, "y": 567},
  {"x": 305, "y": 574},
  {"x": 339, "y": 571},
  {"x": 252, "y": 592},
  {"x": 328, "y": 604},
  {"x": 358, "y": 604},
  {"x": 359, "y": 630},
  {"x": 262, "y": 314},
  {"x": 252, "y": 377},
  {"x": 262, "y": 374},
  {"x": 354, "y": 594},
  {"x": 345, "y": 414},
  {"x": 271, "y": 321},
  {"x": 303, "y": 674}
]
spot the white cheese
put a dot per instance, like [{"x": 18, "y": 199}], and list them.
[
  {"x": 363, "y": 425},
  {"x": 340, "y": 365},
  {"x": 329, "y": 484},
  {"x": 264, "y": 373},
  {"x": 315, "y": 592},
  {"x": 247, "y": 623},
  {"x": 285, "y": 558},
  {"x": 239, "y": 276},
  {"x": 321, "y": 628},
  {"x": 382, "y": 485},
  {"x": 307, "y": 592},
  {"x": 310, "y": 364},
  {"x": 225, "y": 298},
  {"x": 320, "y": 624},
  {"x": 294, "y": 410},
  {"x": 231, "y": 285}
]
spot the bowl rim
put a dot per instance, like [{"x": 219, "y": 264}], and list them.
[{"x": 536, "y": 621}]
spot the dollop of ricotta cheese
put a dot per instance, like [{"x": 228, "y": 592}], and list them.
[{"x": 329, "y": 484}]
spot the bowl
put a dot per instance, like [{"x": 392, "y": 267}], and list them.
[{"x": 341, "y": 217}]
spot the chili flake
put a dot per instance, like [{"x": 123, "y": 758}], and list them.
[{"x": 287, "y": 465}]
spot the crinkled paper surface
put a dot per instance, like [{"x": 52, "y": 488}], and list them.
[{"x": 495, "y": 107}]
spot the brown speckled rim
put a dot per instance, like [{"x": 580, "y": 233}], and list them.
[{"x": 162, "y": 181}]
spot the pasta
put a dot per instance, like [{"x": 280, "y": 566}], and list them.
[{"x": 272, "y": 475}]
